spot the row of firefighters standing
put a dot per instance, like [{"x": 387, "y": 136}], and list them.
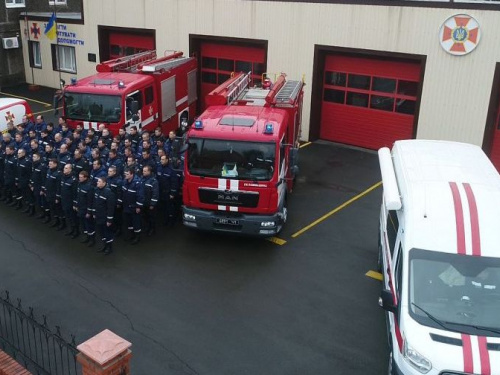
[{"x": 80, "y": 202}]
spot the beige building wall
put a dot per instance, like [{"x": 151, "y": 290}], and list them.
[{"x": 456, "y": 89}]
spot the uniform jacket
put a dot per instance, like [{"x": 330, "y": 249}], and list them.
[
  {"x": 151, "y": 191},
  {"x": 132, "y": 195},
  {"x": 84, "y": 198},
  {"x": 52, "y": 184},
  {"x": 23, "y": 172},
  {"x": 68, "y": 191},
  {"x": 104, "y": 205}
]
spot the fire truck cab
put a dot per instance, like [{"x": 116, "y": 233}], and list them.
[
  {"x": 140, "y": 90},
  {"x": 242, "y": 158}
]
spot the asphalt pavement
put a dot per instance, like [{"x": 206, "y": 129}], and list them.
[{"x": 201, "y": 303}]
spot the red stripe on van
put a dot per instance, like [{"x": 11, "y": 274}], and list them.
[
  {"x": 474, "y": 220},
  {"x": 467, "y": 349},
  {"x": 484, "y": 355},
  {"x": 459, "y": 218}
]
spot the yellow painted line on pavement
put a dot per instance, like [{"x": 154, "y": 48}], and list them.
[
  {"x": 276, "y": 240},
  {"x": 374, "y": 275},
  {"x": 27, "y": 99},
  {"x": 342, "y": 206},
  {"x": 48, "y": 110},
  {"x": 305, "y": 144}
]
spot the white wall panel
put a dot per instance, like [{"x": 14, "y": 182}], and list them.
[{"x": 456, "y": 90}]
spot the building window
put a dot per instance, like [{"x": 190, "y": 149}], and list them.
[
  {"x": 34, "y": 54},
  {"x": 14, "y": 3},
  {"x": 57, "y": 2},
  {"x": 63, "y": 58}
]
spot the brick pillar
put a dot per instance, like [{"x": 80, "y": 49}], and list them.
[{"x": 105, "y": 354}]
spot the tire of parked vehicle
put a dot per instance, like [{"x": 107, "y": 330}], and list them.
[{"x": 284, "y": 214}]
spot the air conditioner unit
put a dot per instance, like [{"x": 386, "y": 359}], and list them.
[{"x": 9, "y": 43}]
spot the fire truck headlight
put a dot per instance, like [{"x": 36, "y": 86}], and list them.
[
  {"x": 189, "y": 217},
  {"x": 267, "y": 224},
  {"x": 415, "y": 359}
]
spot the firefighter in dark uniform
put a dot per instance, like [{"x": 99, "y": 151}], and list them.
[
  {"x": 151, "y": 196},
  {"x": 79, "y": 163},
  {"x": 83, "y": 207},
  {"x": 115, "y": 183},
  {"x": 68, "y": 195},
  {"x": 2, "y": 167},
  {"x": 50, "y": 191},
  {"x": 167, "y": 179},
  {"x": 64, "y": 157},
  {"x": 97, "y": 171},
  {"x": 132, "y": 202},
  {"x": 103, "y": 212},
  {"x": 10, "y": 174},
  {"x": 38, "y": 173},
  {"x": 23, "y": 174}
]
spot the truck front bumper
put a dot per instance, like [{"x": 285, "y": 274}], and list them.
[{"x": 232, "y": 222}]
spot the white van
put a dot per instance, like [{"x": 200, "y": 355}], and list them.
[
  {"x": 12, "y": 109},
  {"x": 439, "y": 253}
]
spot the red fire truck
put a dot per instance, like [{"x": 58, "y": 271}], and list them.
[
  {"x": 241, "y": 157},
  {"x": 140, "y": 90}
]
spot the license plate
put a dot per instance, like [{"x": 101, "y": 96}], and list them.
[{"x": 227, "y": 221}]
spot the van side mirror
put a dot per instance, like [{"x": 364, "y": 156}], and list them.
[
  {"x": 134, "y": 107},
  {"x": 386, "y": 301}
]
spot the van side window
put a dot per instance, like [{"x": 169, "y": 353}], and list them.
[{"x": 392, "y": 226}]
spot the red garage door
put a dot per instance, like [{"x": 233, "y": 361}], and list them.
[
  {"x": 368, "y": 103},
  {"x": 218, "y": 61},
  {"x": 124, "y": 44}
]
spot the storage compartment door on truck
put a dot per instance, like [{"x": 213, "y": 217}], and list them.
[
  {"x": 219, "y": 61},
  {"x": 368, "y": 102}
]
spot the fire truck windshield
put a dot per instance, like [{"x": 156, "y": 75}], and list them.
[
  {"x": 231, "y": 159},
  {"x": 91, "y": 107}
]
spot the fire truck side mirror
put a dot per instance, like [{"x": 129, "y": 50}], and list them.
[{"x": 294, "y": 157}]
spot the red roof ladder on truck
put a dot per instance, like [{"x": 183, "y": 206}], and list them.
[
  {"x": 138, "y": 90},
  {"x": 241, "y": 161}
]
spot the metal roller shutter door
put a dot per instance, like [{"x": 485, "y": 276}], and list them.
[
  {"x": 368, "y": 102},
  {"x": 218, "y": 61}
]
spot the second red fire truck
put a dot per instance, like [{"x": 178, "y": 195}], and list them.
[
  {"x": 140, "y": 90},
  {"x": 241, "y": 159}
]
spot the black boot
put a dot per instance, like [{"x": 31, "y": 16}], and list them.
[
  {"x": 47, "y": 218},
  {"x": 56, "y": 223},
  {"x": 104, "y": 248},
  {"x": 70, "y": 231},
  {"x": 131, "y": 235},
  {"x": 19, "y": 204},
  {"x": 86, "y": 239},
  {"x": 91, "y": 241},
  {"x": 136, "y": 239},
  {"x": 42, "y": 214},
  {"x": 27, "y": 209},
  {"x": 62, "y": 226},
  {"x": 151, "y": 231},
  {"x": 109, "y": 250},
  {"x": 118, "y": 232},
  {"x": 32, "y": 211},
  {"x": 76, "y": 232}
]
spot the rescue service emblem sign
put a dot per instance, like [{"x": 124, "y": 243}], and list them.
[{"x": 459, "y": 34}]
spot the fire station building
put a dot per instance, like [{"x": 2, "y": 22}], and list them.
[{"x": 375, "y": 71}]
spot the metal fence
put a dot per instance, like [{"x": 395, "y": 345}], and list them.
[{"x": 31, "y": 342}]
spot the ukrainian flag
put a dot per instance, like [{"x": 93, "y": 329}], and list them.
[{"x": 50, "y": 29}]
